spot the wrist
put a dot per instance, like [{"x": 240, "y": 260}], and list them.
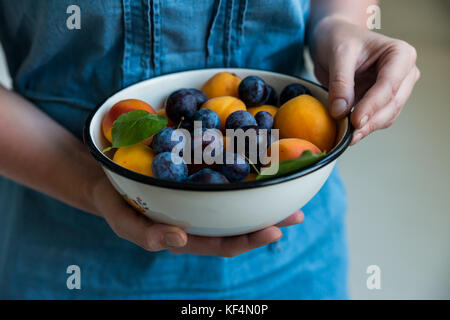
[
  {"x": 329, "y": 32},
  {"x": 93, "y": 186},
  {"x": 326, "y": 25},
  {"x": 320, "y": 30}
]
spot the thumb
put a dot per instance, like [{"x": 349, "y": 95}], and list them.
[
  {"x": 137, "y": 228},
  {"x": 341, "y": 84},
  {"x": 161, "y": 236}
]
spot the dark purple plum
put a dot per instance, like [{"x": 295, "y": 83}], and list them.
[
  {"x": 203, "y": 140},
  {"x": 253, "y": 91},
  {"x": 182, "y": 104},
  {"x": 199, "y": 95},
  {"x": 291, "y": 91},
  {"x": 273, "y": 97},
  {"x": 165, "y": 168},
  {"x": 254, "y": 143},
  {"x": 239, "y": 119},
  {"x": 209, "y": 118},
  {"x": 207, "y": 176},
  {"x": 162, "y": 141},
  {"x": 264, "y": 120},
  {"x": 234, "y": 167},
  {"x": 186, "y": 124}
]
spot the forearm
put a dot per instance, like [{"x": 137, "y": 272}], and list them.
[
  {"x": 354, "y": 11},
  {"x": 41, "y": 154}
]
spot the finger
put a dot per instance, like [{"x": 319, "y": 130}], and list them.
[
  {"x": 234, "y": 246},
  {"x": 341, "y": 83},
  {"x": 385, "y": 117},
  {"x": 321, "y": 74},
  {"x": 229, "y": 246},
  {"x": 393, "y": 67},
  {"x": 295, "y": 218},
  {"x": 135, "y": 227}
]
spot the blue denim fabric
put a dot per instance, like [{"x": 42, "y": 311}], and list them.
[{"x": 66, "y": 73}]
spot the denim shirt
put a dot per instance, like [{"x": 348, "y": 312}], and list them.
[{"x": 67, "y": 72}]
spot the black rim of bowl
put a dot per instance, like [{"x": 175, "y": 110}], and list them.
[{"x": 114, "y": 167}]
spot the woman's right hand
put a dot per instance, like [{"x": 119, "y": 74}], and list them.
[
  {"x": 56, "y": 157},
  {"x": 137, "y": 228}
]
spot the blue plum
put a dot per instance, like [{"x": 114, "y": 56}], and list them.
[
  {"x": 264, "y": 120},
  {"x": 209, "y": 118},
  {"x": 207, "y": 176},
  {"x": 239, "y": 119},
  {"x": 186, "y": 124},
  {"x": 253, "y": 91},
  {"x": 166, "y": 169},
  {"x": 200, "y": 140},
  {"x": 273, "y": 97},
  {"x": 291, "y": 91},
  {"x": 182, "y": 104},
  {"x": 162, "y": 141},
  {"x": 199, "y": 95},
  {"x": 254, "y": 143},
  {"x": 234, "y": 167}
]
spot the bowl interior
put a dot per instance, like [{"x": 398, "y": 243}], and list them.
[{"x": 155, "y": 91}]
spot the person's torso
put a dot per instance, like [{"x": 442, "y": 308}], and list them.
[
  {"x": 68, "y": 72},
  {"x": 120, "y": 42}
]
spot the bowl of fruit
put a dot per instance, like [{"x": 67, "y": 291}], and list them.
[{"x": 218, "y": 152}]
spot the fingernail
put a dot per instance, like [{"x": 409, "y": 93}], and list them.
[
  {"x": 358, "y": 136},
  {"x": 173, "y": 239},
  {"x": 338, "y": 107},
  {"x": 363, "y": 121},
  {"x": 280, "y": 236}
]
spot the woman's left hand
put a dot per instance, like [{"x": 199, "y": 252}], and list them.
[{"x": 366, "y": 69}]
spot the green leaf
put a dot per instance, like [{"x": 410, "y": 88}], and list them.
[
  {"x": 289, "y": 166},
  {"x": 135, "y": 126}
]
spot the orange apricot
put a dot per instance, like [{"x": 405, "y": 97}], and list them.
[
  {"x": 251, "y": 177},
  {"x": 305, "y": 117},
  {"x": 147, "y": 141},
  {"x": 224, "y": 106},
  {"x": 271, "y": 109},
  {"x": 162, "y": 113},
  {"x": 291, "y": 148},
  {"x": 222, "y": 84},
  {"x": 120, "y": 108},
  {"x": 138, "y": 158}
]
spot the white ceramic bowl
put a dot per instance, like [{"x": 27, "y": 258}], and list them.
[{"x": 213, "y": 210}]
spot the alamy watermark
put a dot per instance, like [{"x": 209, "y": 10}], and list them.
[
  {"x": 207, "y": 146},
  {"x": 374, "y": 20},
  {"x": 74, "y": 20},
  {"x": 373, "y": 281},
  {"x": 74, "y": 279}
]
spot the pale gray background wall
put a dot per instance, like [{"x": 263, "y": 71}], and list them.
[{"x": 398, "y": 181}]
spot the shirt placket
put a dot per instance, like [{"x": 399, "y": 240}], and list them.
[
  {"x": 141, "y": 20},
  {"x": 225, "y": 33},
  {"x": 155, "y": 22}
]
